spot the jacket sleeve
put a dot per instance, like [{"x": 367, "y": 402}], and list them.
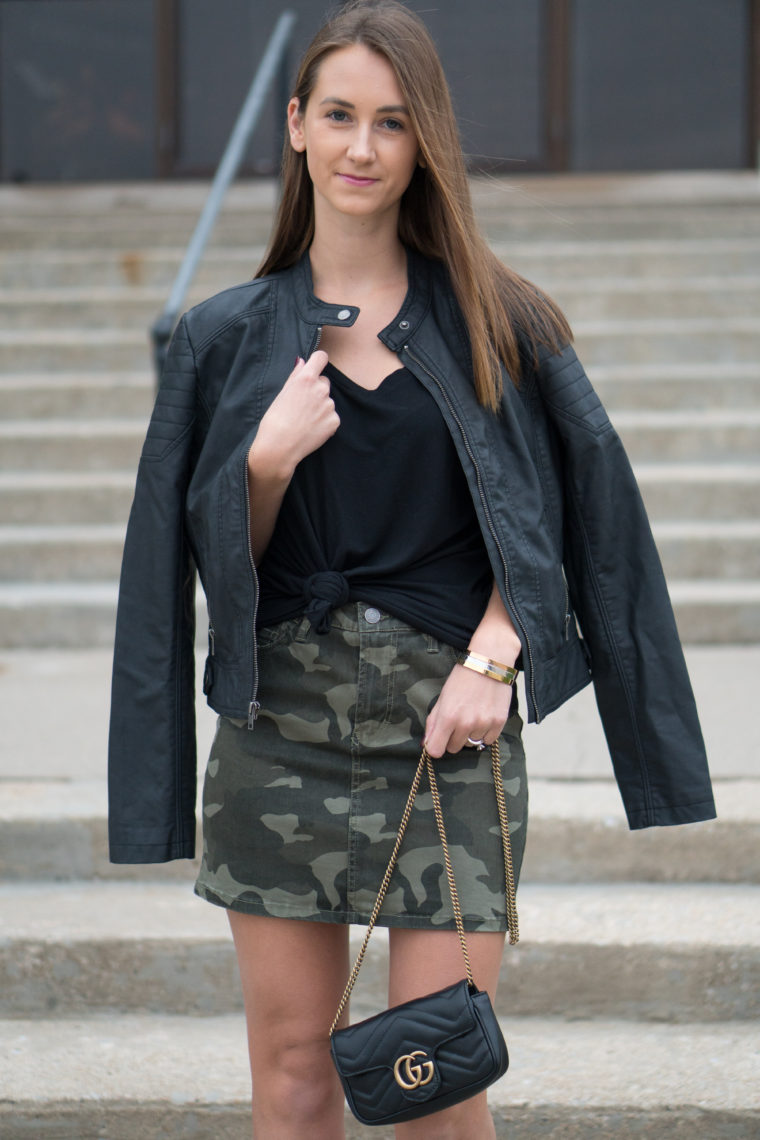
[
  {"x": 619, "y": 593},
  {"x": 152, "y": 761}
]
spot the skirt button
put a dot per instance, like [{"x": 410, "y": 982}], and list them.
[{"x": 372, "y": 615}]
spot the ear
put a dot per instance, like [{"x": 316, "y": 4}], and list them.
[{"x": 295, "y": 126}]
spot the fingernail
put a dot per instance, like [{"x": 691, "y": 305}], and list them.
[{"x": 298, "y": 361}]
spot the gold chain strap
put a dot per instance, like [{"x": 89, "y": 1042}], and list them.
[
  {"x": 506, "y": 842},
  {"x": 425, "y": 763}
]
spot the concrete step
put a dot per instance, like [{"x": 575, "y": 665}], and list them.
[
  {"x": 619, "y": 298},
  {"x": 618, "y": 224},
  {"x": 125, "y": 231},
  {"x": 157, "y": 227},
  {"x": 71, "y": 444},
  {"x": 677, "y": 387},
  {"x": 98, "y": 395},
  {"x": 72, "y": 614},
  {"x": 158, "y": 1078},
  {"x": 699, "y": 491},
  {"x": 568, "y": 748},
  {"x": 668, "y": 341},
  {"x": 77, "y": 615},
  {"x": 65, "y": 497},
  {"x": 681, "y": 436},
  {"x": 662, "y": 262},
  {"x": 133, "y": 267},
  {"x": 719, "y": 549},
  {"x": 55, "y": 829},
  {"x": 40, "y": 553},
  {"x": 39, "y": 350},
  {"x": 713, "y": 610},
  {"x": 79, "y": 947},
  {"x": 125, "y": 306},
  {"x": 612, "y": 298},
  {"x": 162, "y": 225}
]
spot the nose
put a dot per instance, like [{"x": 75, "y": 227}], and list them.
[{"x": 361, "y": 148}]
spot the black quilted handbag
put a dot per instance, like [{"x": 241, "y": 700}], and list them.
[{"x": 431, "y": 1052}]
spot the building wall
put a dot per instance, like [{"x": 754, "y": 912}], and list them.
[{"x": 99, "y": 89}]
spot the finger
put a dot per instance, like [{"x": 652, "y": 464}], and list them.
[
  {"x": 435, "y": 747},
  {"x": 433, "y": 738},
  {"x": 444, "y": 738},
  {"x": 317, "y": 361}
]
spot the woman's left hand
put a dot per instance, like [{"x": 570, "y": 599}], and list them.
[{"x": 469, "y": 705}]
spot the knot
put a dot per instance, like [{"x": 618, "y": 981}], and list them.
[{"x": 323, "y": 592}]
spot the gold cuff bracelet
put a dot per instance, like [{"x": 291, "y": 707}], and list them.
[{"x": 488, "y": 668}]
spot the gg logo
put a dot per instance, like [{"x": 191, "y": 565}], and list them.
[{"x": 410, "y": 1074}]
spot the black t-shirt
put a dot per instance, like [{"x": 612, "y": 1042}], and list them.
[{"x": 381, "y": 513}]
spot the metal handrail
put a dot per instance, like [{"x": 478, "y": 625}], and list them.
[{"x": 273, "y": 60}]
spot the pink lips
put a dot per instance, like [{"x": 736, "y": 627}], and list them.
[{"x": 353, "y": 180}]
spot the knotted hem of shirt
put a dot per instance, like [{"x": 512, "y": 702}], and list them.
[{"x": 323, "y": 592}]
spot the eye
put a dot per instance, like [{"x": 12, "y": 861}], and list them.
[
  {"x": 393, "y": 124},
  {"x": 338, "y": 116}
]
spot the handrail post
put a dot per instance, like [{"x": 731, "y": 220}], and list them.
[
  {"x": 268, "y": 70},
  {"x": 282, "y": 90}
]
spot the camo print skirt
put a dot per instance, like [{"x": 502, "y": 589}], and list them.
[{"x": 301, "y": 813}]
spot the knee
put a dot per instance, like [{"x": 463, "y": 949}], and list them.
[{"x": 298, "y": 1080}]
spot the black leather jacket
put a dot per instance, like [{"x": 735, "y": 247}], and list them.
[{"x": 558, "y": 505}]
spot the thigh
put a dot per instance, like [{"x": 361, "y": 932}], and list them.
[
  {"x": 292, "y": 974},
  {"x": 423, "y": 961}
]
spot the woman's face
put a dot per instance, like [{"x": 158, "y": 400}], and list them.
[{"x": 361, "y": 150}]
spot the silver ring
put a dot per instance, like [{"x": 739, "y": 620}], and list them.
[{"x": 479, "y": 744}]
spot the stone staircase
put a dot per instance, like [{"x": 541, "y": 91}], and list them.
[
  {"x": 660, "y": 278},
  {"x": 631, "y": 1004}
]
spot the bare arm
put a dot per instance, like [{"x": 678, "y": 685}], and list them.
[
  {"x": 471, "y": 704},
  {"x": 298, "y": 421}
]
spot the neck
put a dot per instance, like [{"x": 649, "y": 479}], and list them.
[{"x": 355, "y": 255}]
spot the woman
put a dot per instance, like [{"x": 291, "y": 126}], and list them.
[{"x": 433, "y": 475}]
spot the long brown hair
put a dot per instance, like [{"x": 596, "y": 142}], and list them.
[{"x": 436, "y": 216}]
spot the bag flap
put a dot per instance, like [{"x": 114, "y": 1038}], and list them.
[{"x": 421, "y": 1024}]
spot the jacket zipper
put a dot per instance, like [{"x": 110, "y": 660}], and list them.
[
  {"x": 253, "y": 704},
  {"x": 315, "y": 342},
  {"x": 487, "y": 511}
]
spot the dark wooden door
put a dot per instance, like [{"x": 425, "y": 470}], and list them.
[
  {"x": 660, "y": 85},
  {"x": 110, "y": 89},
  {"x": 77, "y": 89}
]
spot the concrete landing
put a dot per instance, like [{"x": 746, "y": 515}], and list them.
[
  {"x": 150, "y": 1077},
  {"x": 62, "y": 698}
]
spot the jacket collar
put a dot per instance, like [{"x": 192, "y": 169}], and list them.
[{"x": 403, "y": 325}]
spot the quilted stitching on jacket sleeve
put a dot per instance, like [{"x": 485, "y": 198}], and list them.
[
  {"x": 174, "y": 410},
  {"x": 567, "y": 390}
]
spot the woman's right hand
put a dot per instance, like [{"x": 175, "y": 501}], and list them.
[{"x": 298, "y": 421}]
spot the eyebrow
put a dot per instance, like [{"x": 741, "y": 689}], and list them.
[{"x": 395, "y": 108}]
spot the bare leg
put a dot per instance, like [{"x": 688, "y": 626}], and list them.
[
  {"x": 422, "y": 961},
  {"x": 293, "y": 973}
]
